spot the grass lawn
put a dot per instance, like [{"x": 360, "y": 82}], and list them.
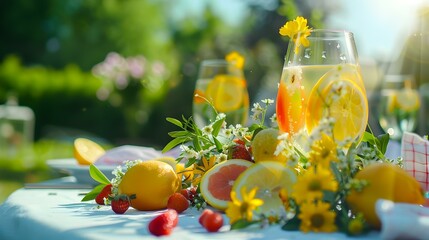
[{"x": 29, "y": 165}]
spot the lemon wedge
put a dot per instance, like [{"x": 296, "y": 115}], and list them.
[
  {"x": 86, "y": 152},
  {"x": 269, "y": 178}
]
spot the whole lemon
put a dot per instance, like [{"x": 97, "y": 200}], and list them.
[
  {"x": 152, "y": 182},
  {"x": 264, "y": 145},
  {"x": 385, "y": 181}
]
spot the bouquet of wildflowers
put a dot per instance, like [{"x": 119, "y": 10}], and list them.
[{"x": 324, "y": 172}]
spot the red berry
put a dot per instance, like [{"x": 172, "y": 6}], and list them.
[
  {"x": 120, "y": 204},
  {"x": 192, "y": 193},
  {"x": 105, "y": 192},
  {"x": 164, "y": 223},
  {"x": 239, "y": 151},
  {"x": 177, "y": 202},
  {"x": 185, "y": 193},
  {"x": 213, "y": 222},
  {"x": 204, "y": 214}
]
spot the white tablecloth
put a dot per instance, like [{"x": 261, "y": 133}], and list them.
[{"x": 48, "y": 213}]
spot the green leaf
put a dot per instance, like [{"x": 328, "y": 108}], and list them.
[
  {"x": 176, "y": 134},
  {"x": 197, "y": 145},
  {"x": 242, "y": 223},
  {"x": 217, "y": 126},
  {"x": 329, "y": 196},
  {"x": 218, "y": 144},
  {"x": 257, "y": 130},
  {"x": 94, "y": 192},
  {"x": 336, "y": 172},
  {"x": 370, "y": 138},
  {"x": 175, "y": 122},
  {"x": 292, "y": 225},
  {"x": 172, "y": 144},
  {"x": 384, "y": 141},
  {"x": 97, "y": 175},
  {"x": 254, "y": 126},
  {"x": 190, "y": 162}
]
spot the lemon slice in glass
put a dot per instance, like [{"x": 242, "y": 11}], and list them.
[
  {"x": 343, "y": 100},
  {"x": 269, "y": 178},
  {"x": 408, "y": 100},
  {"x": 392, "y": 102},
  {"x": 226, "y": 92}
]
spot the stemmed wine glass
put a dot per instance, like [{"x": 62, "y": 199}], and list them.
[
  {"x": 322, "y": 80},
  {"x": 220, "y": 88},
  {"x": 399, "y": 105}
]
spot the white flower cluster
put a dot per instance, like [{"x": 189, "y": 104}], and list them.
[{"x": 258, "y": 111}]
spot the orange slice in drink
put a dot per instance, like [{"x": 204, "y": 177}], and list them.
[
  {"x": 199, "y": 96},
  {"x": 226, "y": 92},
  {"x": 290, "y": 109},
  {"x": 341, "y": 98}
]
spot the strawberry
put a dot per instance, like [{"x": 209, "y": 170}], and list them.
[
  {"x": 177, "y": 202},
  {"x": 105, "y": 192},
  {"x": 185, "y": 192},
  {"x": 213, "y": 222},
  {"x": 120, "y": 204},
  {"x": 204, "y": 214},
  {"x": 189, "y": 193},
  {"x": 164, "y": 223},
  {"x": 192, "y": 193},
  {"x": 239, "y": 151}
]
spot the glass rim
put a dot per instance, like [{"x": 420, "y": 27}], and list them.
[
  {"x": 316, "y": 33},
  {"x": 214, "y": 62}
]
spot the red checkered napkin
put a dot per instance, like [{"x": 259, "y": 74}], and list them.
[{"x": 415, "y": 155}]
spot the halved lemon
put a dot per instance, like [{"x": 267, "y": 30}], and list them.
[
  {"x": 226, "y": 92},
  {"x": 408, "y": 100},
  {"x": 86, "y": 152},
  {"x": 216, "y": 184},
  {"x": 269, "y": 178},
  {"x": 342, "y": 99}
]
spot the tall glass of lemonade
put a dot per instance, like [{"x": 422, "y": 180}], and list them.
[
  {"x": 321, "y": 80},
  {"x": 220, "y": 88}
]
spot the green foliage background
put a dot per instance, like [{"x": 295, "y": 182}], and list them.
[{"x": 48, "y": 48}]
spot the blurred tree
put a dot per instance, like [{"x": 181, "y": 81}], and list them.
[{"x": 56, "y": 33}]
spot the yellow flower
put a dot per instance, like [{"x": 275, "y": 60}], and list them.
[
  {"x": 199, "y": 170},
  {"x": 236, "y": 59},
  {"x": 243, "y": 209},
  {"x": 311, "y": 184},
  {"x": 317, "y": 217},
  {"x": 298, "y": 32},
  {"x": 324, "y": 151}
]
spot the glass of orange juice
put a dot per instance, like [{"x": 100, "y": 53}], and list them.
[
  {"x": 320, "y": 81},
  {"x": 220, "y": 88}
]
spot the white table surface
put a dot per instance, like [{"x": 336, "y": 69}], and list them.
[{"x": 49, "y": 213}]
